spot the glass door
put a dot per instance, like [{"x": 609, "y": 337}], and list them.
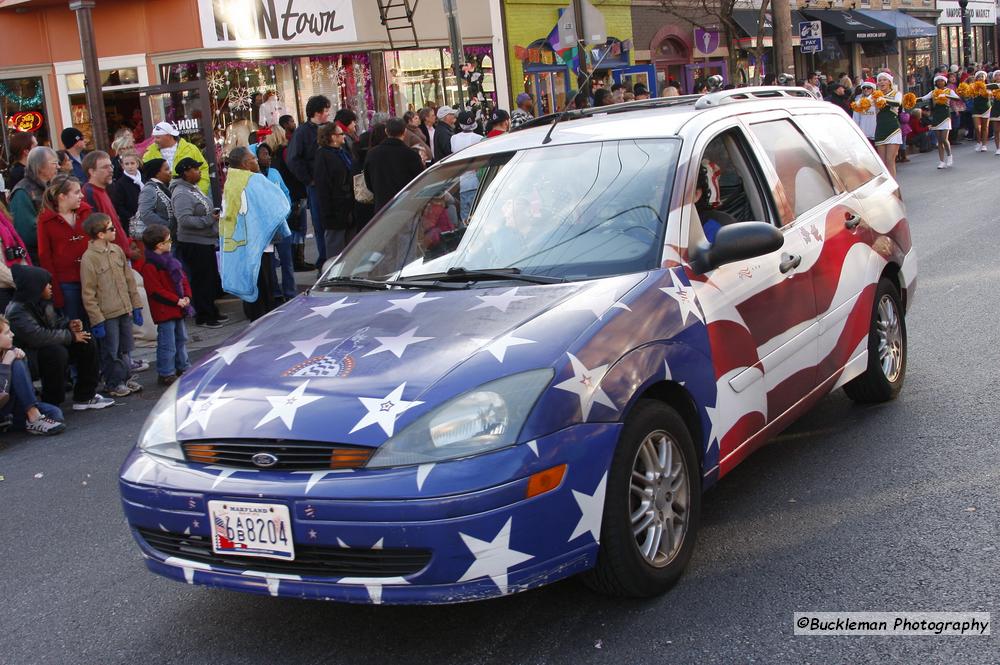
[
  {"x": 551, "y": 90},
  {"x": 188, "y": 108},
  {"x": 644, "y": 74},
  {"x": 699, "y": 72}
]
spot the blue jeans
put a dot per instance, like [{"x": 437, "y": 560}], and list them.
[
  {"x": 171, "y": 348},
  {"x": 73, "y": 302},
  {"x": 283, "y": 252},
  {"x": 22, "y": 397},
  {"x": 317, "y": 226},
  {"x": 115, "y": 348}
]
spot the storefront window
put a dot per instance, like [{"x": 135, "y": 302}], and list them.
[
  {"x": 23, "y": 105},
  {"x": 424, "y": 77},
  {"x": 345, "y": 78}
]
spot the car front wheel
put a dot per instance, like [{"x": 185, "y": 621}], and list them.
[{"x": 652, "y": 506}]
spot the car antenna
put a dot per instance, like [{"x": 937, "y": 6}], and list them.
[{"x": 565, "y": 111}]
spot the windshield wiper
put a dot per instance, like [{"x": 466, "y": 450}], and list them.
[
  {"x": 376, "y": 285},
  {"x": 464, "y": 275}
]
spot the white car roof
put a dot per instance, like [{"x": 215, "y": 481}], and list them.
[{"x": 660, "y": 118}]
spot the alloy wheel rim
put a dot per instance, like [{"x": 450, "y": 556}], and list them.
[
  {"x": 890, "y": 339},
  {"x": 659, "y": 499}
]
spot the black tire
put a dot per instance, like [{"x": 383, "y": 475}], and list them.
[
  {"x": 874, "y": 385},
  {"x": 621, "y": 568}
]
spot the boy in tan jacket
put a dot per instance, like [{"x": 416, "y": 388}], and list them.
[{"x": 112, "y": 302}]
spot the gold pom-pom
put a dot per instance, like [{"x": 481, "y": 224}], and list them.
[
  {"x": 964, "y": 90},
  {"x": 909, "y": 101},
  {"x": 941, "y": 96},
  {"x": 979, "y": 89}
]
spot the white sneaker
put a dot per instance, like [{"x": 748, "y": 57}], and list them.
[
  {"x": 97, "y": 402},
  {"x": 997, "y": 152},
  {"x": 949, "y": 160},
  {"x": 942, "y": 165}
]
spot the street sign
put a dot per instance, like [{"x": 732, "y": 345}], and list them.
[{"x": 810, "y": 36}]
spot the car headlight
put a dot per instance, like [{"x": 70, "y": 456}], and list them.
[
  {"x": 159, "y": 433},
  {"x": 484, "y": 419}
]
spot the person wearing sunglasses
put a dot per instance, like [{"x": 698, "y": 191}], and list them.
[{"x": 112, "y": 301}]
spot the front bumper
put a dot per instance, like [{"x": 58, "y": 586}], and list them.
[{"x": 484, "y": 537}]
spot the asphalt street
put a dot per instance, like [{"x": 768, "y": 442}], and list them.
[{"x": 888, "y": 508}]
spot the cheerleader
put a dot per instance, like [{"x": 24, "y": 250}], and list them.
[
  {"x": 886, "y": 101},
  {"x": 994, "y": 89},
  {"x": 980, "y": 107},
  {"x": 864, "y": 110},
  {"x": 940, "y": 98}
]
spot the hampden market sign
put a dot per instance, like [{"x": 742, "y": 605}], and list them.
[{"x": 248, "y": 23}]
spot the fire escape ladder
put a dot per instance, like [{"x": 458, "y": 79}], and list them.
[{"x": 397, "y": 17}]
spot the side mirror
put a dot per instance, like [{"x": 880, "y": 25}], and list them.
[{"x": 736, "y": 242}]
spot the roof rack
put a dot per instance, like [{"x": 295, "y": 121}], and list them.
[
  {"x": 624, "y": 107},
  {"x": 714, "y": 99}
]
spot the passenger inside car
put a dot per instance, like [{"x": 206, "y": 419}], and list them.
[{"x": 712, "y": 219}]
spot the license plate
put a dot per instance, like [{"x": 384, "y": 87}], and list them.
[{"x": 251, "y": 529}]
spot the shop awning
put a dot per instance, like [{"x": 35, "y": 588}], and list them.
[
  {"x": 907, "y": 27},
  {"x": 853, "y": 26},
  {"x": 748, "y": 20}
]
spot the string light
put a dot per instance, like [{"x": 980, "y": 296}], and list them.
[{"x": 18, "y": 100}]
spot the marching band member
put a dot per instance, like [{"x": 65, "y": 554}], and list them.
[
  {"x": 864, "y": 110},
  {"x": 994, "y": 89},
  {"x": 980, "y": 107},
  {"x": 940, "y": 98},
  {"x": 887, "y": 101}
]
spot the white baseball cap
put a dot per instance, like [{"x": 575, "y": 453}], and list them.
[
  {"x": 164, "y": 129},
  {"x": 445, "y": 111}
]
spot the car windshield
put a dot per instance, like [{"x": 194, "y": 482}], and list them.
[{"x": 564, "y": 212}]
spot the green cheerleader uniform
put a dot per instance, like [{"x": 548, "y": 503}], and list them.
[
  {"x": 995, "y": 106},
  {"x": 887, "y": 130}
]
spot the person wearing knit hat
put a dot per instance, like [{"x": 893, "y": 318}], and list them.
[
  {"x": 523, "y": 113},
  {"x": 940, "y": 97},
  {"x": 72, "y": 140},
  {"x": 980, "y": 108},
  {"x": 994, "y": 87}
]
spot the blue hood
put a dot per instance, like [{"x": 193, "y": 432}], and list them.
[{"x": 300, "y": 372}]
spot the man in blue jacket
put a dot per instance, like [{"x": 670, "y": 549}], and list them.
[{"x": 301, "y": 156}]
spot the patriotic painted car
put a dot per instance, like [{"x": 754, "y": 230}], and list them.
[{"x": 536, "y": 359}]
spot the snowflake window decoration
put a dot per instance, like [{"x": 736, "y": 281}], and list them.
[
  {"x": 216, "y": 82},
  {"x": 239, "y": 99}
]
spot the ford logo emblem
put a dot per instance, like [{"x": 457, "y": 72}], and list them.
[{"x": 264, "y": 460}]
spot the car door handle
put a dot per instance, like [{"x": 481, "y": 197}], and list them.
[
  {"x": 851, "y": 221},
  {"x": 789, "y": 262}
]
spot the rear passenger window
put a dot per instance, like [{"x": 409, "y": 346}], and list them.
[
  {"x": 799, "y": 167},
  {"x": 850, "y": 155}
]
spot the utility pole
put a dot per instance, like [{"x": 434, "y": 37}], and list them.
[
  {"x": 781, "y": 14},
  {"x": 966, "y": 32},
  {"x": 91, "y": 72},
  {"x": 455, "y": 39},
  {"x": 581, "y": 48}
]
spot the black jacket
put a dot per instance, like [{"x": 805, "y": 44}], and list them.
[
  {"x": 334, "y": 189},
  {"x": 33, "y": 320},
  {"x": 389, "y": 167},
  {"x": 14, "y": 175},
  {"x": 301, "y": 153},
  {"x": 843, "y": 101},
  {"x": 124, "y": 194},
  {"x": 295, "y": 187},
  {"x": 442, "y": 140}
]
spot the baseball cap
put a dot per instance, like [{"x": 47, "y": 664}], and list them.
[
  {"x": 165, "y": 129},
  {"x": 186, "y": 164},
  {"x": 466, "y": 120},
  {"x": 445, "y": 111},
  {"x": 498, "y": 116},
  {"x": 70, "y": 136}
]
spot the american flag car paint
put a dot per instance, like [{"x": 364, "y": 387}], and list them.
[{"x": 751, "y": 348}]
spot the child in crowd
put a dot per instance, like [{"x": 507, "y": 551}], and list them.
[
  {"x": 169, "y": 302},
  {"x": 19, "y": 406},
  {"x": 112, "y": 303}
]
